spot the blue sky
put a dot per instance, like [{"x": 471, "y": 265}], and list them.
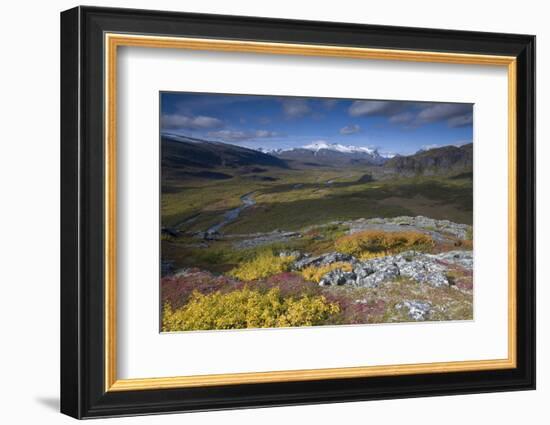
[{"x": 273, "y": 122}]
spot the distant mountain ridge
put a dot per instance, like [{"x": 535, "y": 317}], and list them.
[
  {"x": 324, "y": 153},
  {"x": 443, "y": 160},
  {"x": 180, "y": 152},
  {"x": 188, "y": 156},
  {"x": 322, "y": 145}
]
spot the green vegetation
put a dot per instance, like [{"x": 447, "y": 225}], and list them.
[
  {"x": 297, "y": 208},
  {"x": 167, "y": 237},
  {"x": 298, "y": 198},
  {"x": 247, "y": 308},
  {"x": 185, "y": 198},
  {"x": 222, "y": 256}
]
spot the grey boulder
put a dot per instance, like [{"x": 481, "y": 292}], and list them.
[{"x": 416, "y": 310}]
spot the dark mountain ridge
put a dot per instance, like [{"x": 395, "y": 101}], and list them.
[
  {"x": 185, "y": 152},
  {"x": 437, "y": 161}
]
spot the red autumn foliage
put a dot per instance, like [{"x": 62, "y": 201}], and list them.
[{"x": 177, "y": 290}]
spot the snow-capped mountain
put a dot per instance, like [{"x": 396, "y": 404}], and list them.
[
  {"x": 320, "y": 145},
  {"x": 324, "y": 153},
  {"x": 270, "y": 150}
]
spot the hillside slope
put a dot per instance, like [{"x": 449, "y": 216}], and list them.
[
  {"x": 185, "y": 153},
  {"x": 447, "y": 160}
]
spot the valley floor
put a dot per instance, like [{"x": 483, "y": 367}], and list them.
[{"x": 271, "y": 247}]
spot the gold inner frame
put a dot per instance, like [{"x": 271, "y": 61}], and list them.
[{"x": 113, "y": 41}]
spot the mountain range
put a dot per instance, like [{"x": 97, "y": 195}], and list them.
[
  {"x": 321, "y": 145},
  {"x": 327, "y": 154},
  {"x": 188, "y": 156}
]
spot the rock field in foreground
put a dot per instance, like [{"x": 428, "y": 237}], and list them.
[{"x": 430, "y": 269}]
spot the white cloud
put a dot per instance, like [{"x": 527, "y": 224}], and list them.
[
  {"x": 241, "y": 136},
  {"x": 461, "y": 120},
  {"x": 402, "y": 118},
  {"x": 200, "y": 122},
  {"x": 295, "y": 108},
  {"x": 265, "y": 133},
  {"x": 330, "y": 103},
  {"x": 456, "y": 114},
  {"x": 373, "y": 107},
  {"x": 350, "y": 129},
  {"x": 413, "y": 113},
  {"x": 429, "y": 147}
]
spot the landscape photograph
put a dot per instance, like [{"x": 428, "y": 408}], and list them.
[{"x": 281, "y": 211}]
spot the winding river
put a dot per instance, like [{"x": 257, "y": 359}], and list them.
[{"x": 246, "y": 202}]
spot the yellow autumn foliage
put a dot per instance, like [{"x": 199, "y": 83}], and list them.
[
  {"x": 315, "y": 273},
  {"x": 368, "y": 255},
  {"x": 247, "y": 308},
  {"x": 364, "y": 244},
  {"x": 263, "y": 265}
]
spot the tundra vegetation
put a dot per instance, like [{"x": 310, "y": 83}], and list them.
[{"x": 246, "y": 246}]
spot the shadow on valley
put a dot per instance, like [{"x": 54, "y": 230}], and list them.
[
  {"x": 431, "y": 200},
  {"x": 332, "y": 183}
]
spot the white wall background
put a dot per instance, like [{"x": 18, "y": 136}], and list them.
[{"x": 29, "y": 224}]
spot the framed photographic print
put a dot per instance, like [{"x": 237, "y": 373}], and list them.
[{"x": 261, "y": 212}]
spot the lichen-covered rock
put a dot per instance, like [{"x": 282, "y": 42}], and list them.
[
  {"x": 423, "y": 269},
  {"x": 416, "y": 310},
  {"x": 462, "y": 258},
  {"x": 411, "y": 264},
  {"x": 294, "y": 253},
  {"x": 372, "y": 273},
  {"x": 428, "y": 269},
  {"x": 338, "y": 277}
]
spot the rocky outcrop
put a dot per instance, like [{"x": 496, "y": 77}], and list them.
[
  {"x": 461, "y": 258},
  {"x": 416, "y": 310},
  {"x": 338, "y": 277},
  {"x": 295, "y": 254},
  {"x": 427, "y": 269},
  {"x": 436, "y": 228},
  {"x": 323, "y": 260},
  {"x": 440, "y": 230},
  {"x": 371, "y": 274}
]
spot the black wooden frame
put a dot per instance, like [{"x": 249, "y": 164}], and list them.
[{"x": 82, "y": 218}]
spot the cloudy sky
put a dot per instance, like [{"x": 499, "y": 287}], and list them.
[{"x": 284, "y": 122}]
